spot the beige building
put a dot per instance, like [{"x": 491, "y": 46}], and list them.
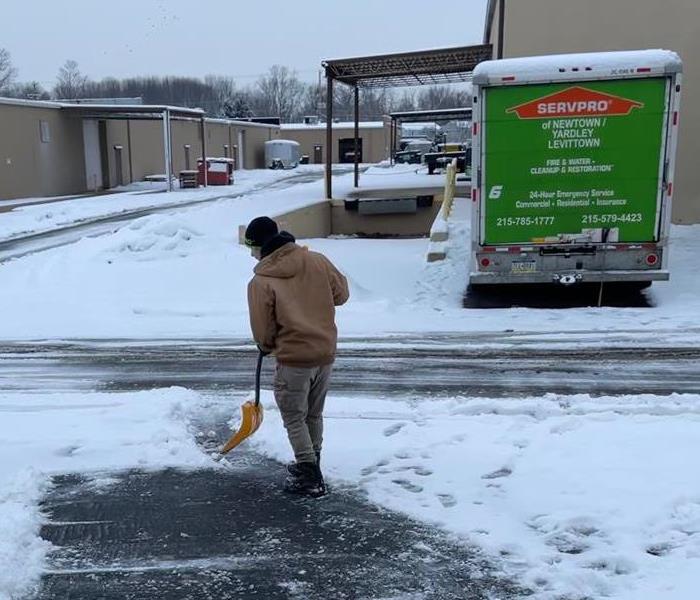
[
  {"x": 535, "y": 27},
  {"x": 374, "y": 140},
  {"x": 55, "y": 149}
]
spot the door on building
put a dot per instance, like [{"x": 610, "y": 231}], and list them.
[
  {"x": 119, "y": 164},
  {"x": 240, "y": 157},
  {"x": 318, "y": 154},
  {"x": 346, "y": 150},
  {"x": 93, "y": 160}
]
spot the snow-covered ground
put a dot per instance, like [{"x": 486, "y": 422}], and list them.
[
  {"x": 579, "y": 497},
  {"x": 183, "y": 274},
  {"x": 44, "y": 434},
  {"x": 590, "y": 497},
  {"x": 35, "y": 215}
]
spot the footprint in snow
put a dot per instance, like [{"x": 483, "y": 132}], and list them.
[
  {"x": 394, "y": 429},
  {"x": 447, "y": 500},
  {"x": 422, "y": 471},
  {"x": 407, "y": 485},
  {"x": 67, "y": 450},
  {"x": 502, "y": 472},
  {"x": 378, "y": 466}
]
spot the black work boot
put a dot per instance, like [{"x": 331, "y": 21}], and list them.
[
  {"x": 309, "y": 482},
  {"x": 293, "y": 468}
]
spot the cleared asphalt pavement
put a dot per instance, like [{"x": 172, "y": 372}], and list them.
[{"x": 230, "y": 532}]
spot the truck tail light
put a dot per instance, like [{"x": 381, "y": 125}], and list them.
[
  {"x": 652, "y": 259},
  {"x": 485, "y": 262}
]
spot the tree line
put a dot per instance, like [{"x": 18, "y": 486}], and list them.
[{"x": 277, "y": 93}]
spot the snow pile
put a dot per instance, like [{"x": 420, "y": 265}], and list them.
[
  {"x": 580, "y": 497},
  {"x": 44, "y": 434},
  {"x": 150, "y": 238}
]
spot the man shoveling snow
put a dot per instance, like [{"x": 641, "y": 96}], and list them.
[{"x": 292, "y": 299}]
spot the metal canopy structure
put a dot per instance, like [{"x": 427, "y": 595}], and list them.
[
  {"x": 137, "y": 112},
  {"x": 425, "y": 116},
  {"x": 428, "y": 116},
  {"x": 426, "y": 67}
]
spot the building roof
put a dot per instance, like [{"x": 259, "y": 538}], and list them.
[
  {"x": 29, "y": 103},
  {"x": 424, "y": 67},
  {"x": 127, "y": 112},
  {"x": 336, "y": 125},
  {"x": 134, "y": 111},
  {"x": 239, "y": 123}
]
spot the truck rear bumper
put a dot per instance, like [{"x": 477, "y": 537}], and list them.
[{"x": 631, "y": 276}]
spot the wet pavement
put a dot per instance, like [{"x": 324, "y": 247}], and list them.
[
  {"x": 398, "y": 368},
  {"x": 231, "y": 533}
]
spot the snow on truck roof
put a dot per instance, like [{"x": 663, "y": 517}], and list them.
[{"x": 577, "y": 66}]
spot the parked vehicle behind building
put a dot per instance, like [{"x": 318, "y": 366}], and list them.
[
  {"x": 282, "y": 154},
  {"x": 572, "y": 167}
]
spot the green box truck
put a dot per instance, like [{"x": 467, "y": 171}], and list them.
[{"x": 572, "y": 167}]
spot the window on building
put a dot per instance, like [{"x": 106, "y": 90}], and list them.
[{"x": 44, "y": 132}]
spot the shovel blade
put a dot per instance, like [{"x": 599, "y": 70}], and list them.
[{"x": 251, "y": 419}]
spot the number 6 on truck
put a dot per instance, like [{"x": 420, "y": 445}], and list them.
[{"x": 496, "y": 191}]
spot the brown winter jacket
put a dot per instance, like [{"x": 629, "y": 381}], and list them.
[{"x": 292, "y": 300}]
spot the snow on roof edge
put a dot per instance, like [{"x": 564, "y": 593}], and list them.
[
  {"x": 338, "y": 125},
  {"x": 283, "y": 142},
  {"x": 550, "y": 65},
  {"x": 29, "y": 103}
]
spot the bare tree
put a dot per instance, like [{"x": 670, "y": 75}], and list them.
[
  {"x": 31, "y": 90},
  {"x": 279, "y": 93},
  {"x": 70, "y": 83},
  {"x": 437, "y": 97},
  {"x": 7, "y": 71}
]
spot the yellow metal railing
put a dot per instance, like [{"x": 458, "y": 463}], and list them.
[{"x": 450, "y": 188}]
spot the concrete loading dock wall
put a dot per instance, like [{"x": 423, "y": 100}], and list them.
[{"x": 326, "y": 218}]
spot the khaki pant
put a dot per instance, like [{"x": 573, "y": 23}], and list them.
[{"x": 300, "y": 394}]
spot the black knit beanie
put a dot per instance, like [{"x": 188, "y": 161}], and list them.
[{"x": 260, "y": 231}]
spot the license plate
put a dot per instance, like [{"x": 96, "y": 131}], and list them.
[{"x": 524, "y": 266}]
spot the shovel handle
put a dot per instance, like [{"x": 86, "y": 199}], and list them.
[{"x": 258, "y": 369}]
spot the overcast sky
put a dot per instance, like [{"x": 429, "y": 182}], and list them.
[{"x": 239, "y": 39}]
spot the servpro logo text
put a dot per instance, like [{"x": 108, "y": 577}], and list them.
[
  {"x": 575, "y": 102},
  {"x": 573, "y": 108}
]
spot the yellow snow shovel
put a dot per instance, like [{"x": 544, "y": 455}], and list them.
[{"x": 251, "y": 414}]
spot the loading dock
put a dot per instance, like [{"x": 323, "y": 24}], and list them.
[
  {"x": 428, "y": 67},
  {"x": 166, "y": 114}
]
